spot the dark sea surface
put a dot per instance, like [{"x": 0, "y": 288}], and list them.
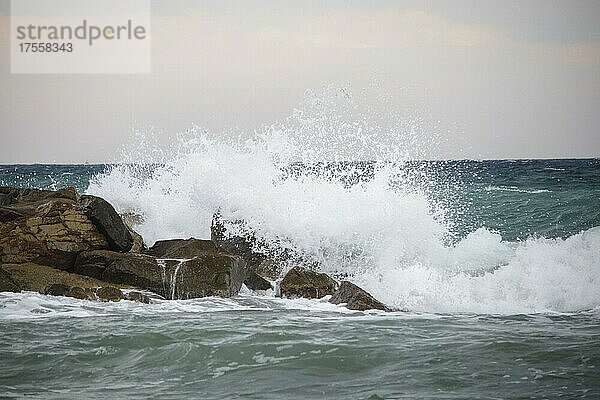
[{"x": 503, "y": 302}]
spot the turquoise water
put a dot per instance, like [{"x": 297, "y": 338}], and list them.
[{"x": 503, "y": 295}]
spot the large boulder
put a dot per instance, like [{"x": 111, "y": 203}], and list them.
[
  {"x": 356, "y": 298},
  {"x": 207, "y": 274},
  {"x": 183, "y": 249},
  {"x": 186, "y": 249},
  {"x": 303, "y": 282},
  {"x": 108, "y": 222},
  {"x": 7, "y": 282},
  {"x": 52, "y": 227},
  {"x": 217, "y": 274},
  {"x": 34, "y": 277},
  {"x": 50, "y": 232},
  {"x": 138, "y": 270}
]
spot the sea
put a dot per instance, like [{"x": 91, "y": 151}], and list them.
[{"x": 494, "y": 267}]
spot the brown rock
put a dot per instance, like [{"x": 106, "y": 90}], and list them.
[
  {"x": 183, "y": 248},
  {"x": 34, "y": 277},
  {"x": 216, "y": 274},
  {"x": 139, "y": 270},
  {"x": 109, "y": 293},
  {"x": 303, "y": 282},
  {"x": 7, "y": 283},
  {"x": 356, "y": 298},
  {"x": 48, "y": 230}
]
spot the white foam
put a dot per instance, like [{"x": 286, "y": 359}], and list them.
[
  {"x": 514, "y": 189},
  {"x": 386, "y": 232}
]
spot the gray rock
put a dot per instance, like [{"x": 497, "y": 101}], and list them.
[
  {"x": 254, "y": 281},
  {"x": 356, "y": 298},
  {"x": 57, "y": 289},
  {"x": 303, "y": 282},
  {"x": 105, "y": 218}
]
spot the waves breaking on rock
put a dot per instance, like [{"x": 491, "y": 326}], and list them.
[{"x": 302, "y": 186}]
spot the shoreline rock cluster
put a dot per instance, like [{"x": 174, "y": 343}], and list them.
[{"x": 65, "y": 244}]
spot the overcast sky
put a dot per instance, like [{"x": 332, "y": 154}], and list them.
[{"x": 507, "y": 79}]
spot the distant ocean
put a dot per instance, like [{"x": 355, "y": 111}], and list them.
[{"x": 497, "y": 263}]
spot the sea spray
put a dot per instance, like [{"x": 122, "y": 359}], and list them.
[{"x": 295, "y": 186}]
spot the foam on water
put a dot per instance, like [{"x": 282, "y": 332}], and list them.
[{"x": 385, "y": 232}]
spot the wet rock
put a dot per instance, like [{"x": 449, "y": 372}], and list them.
[
  {"x": 34, "y": 277},
  {"x": 138, "y": 270},
  {"x": 268, "y": 268},
  {"x": 105, "y": 218},
  {"x": 57, "y": 289},
  {"x": 254, "y": 281},
  {"x": 182, "y": 248},
  {"x": 131, "y": 220},
  {"x": 243, "y": 246},
  {"x": 215, "y": 274},
  {"x": 52, "y": 235},
  {"x": 303, "y": 282},
  {"x": 109, "y": 293},
  {"x": 137, "y": 296},
  {"x": 25, "y": 200},
  {"x": 356, "y": 298},
  {"x": 7, "y": 282},
  {"x": 82, "y": 293}
]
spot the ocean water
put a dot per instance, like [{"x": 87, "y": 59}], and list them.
[
  {"x": 495, "y": 264},
  {"x": 502, "y": 292}
]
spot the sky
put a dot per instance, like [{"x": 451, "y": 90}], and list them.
[{"x": 501, "y": 79}]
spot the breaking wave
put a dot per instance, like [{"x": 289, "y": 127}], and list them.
[{"x": 303, "y": 184}]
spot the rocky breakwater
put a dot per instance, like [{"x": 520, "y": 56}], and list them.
[
  {"x": 80, "y": 242},
  {"x": 61, "y": 243}
]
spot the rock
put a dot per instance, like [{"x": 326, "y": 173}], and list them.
[
  {"x": 137, "y": 296},
  {"x": 10, "y": 196},
  {"x": 356, "y": 298},
  {"x": 254, "y": 281},
  {"x": 303, "y": 282},
  {"x": 56, "y": 289},
  {"x": 43, "y": 227},
  {"x": 108, "y": 222},
  {"x": 7, "y": 283},
  {"x": 182, "y": 248},
  {"x": 216, "y": 274},
  {"x": 59, "y": 289},
  {"x": 34, "y": 277},
  {"x": 82, "y": 293},
  {"x": 209, "y": 274},
  {"x": 138, "y": 270},
  {"x": 269, "y": 266},
  {"x": 131, "y": 220},
  {"x": 234, "y": 244},
  {"x": 138, "y": 245},
  {"x": 109, "y": 293}
]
